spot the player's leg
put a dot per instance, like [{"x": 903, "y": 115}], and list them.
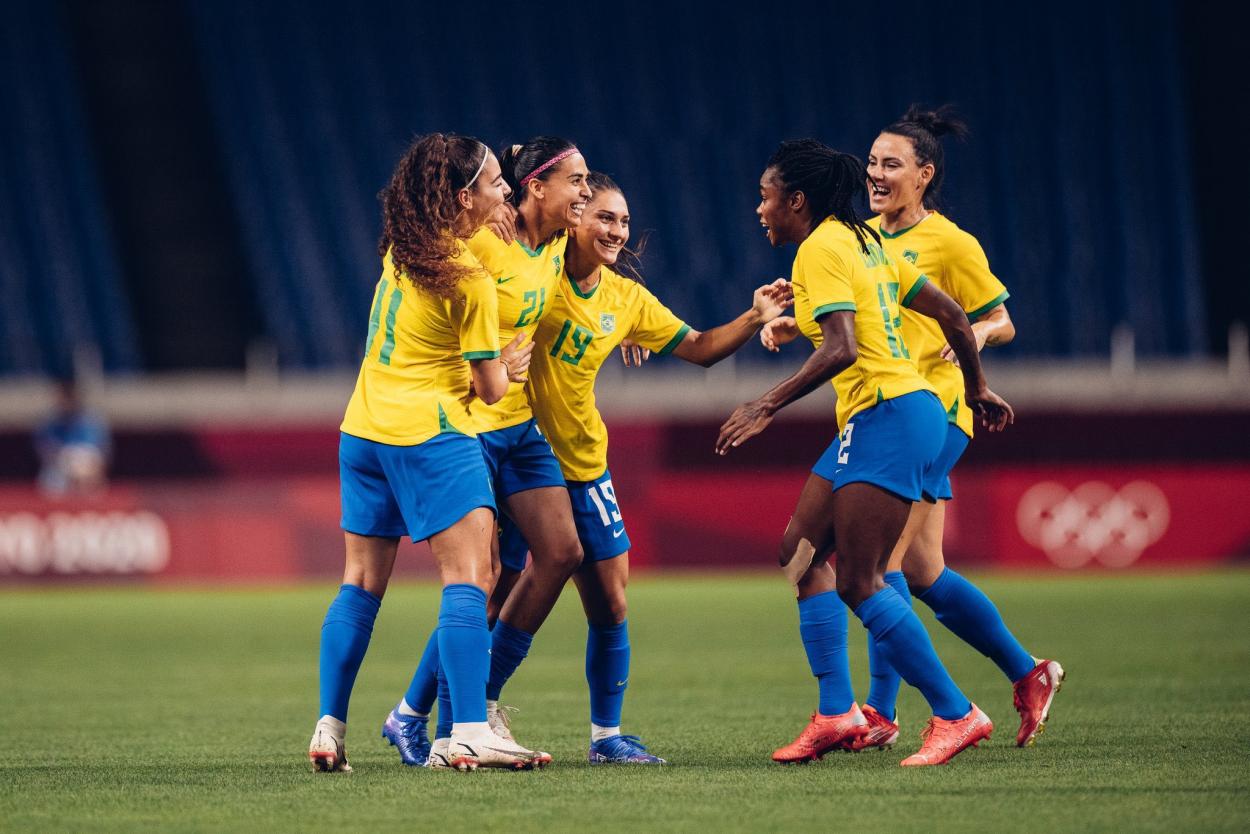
[
  {"x": 805, "y": 548},
  {"x": 880, "y": 706},
  {"x": 345, "y": 635},
  {"x": 601, "y": 581},
  {"x": 372, "y": 524},
  {"x": 965, "y": 609},
  {"x": 532, "y": 490}
]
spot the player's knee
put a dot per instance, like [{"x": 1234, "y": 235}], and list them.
[
  {"x": 796, "y": 557},
  {"x": 564, "y": 559},
  {"x": 854, "y": 587}
]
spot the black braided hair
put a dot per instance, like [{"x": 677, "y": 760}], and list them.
[
  {"x": 518, "y": 161},
  {"x": 829, "y": 179}
]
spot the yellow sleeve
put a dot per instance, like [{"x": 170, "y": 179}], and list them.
[
  {"x": 657, "y": 328},
  {"x": 489, "y": 250},
  {"x": 910, "y": 281},
  {"x": 827, "y": 276},
  {"x": 969, "y": 279},
  {"x": 479, "y": 319}
]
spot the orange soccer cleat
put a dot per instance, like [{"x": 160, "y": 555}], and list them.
[
  {"x": 944, "y": 739},
  {"x": 822, "y": 734},
  {"x": 1033, "y": 694},
  {"x": 882, "y": 732}
]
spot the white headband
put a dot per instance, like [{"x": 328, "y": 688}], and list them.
[{"x": 485, "y": 156}]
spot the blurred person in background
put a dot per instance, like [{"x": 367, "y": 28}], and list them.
[
  {"x": 906, "y": 167},
  {"x": 73, "y": 445}
]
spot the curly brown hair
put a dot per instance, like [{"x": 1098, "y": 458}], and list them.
[{"x": 419, "y": 209}]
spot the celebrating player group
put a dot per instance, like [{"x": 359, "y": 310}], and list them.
[{"x": 506, "y": 284}]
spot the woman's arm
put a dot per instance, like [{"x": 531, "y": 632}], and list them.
[
  {"x": 990, "y": 330},
  {"x": 995, "y": 413},
  {"x": 837, "y": 352},
  {"x": 708, "y": 347},
  {"x": 490, "y": 377}
]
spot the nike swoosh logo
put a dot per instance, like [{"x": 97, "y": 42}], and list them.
[
  {"x": 616, "y": 534},
  {"x": 504, "y": 280},
  {"x": 622, "y": 683},
  {"x": 518, "y": 753}
]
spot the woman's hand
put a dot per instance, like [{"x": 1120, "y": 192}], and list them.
[
  {"x": 771, "y": 300},
  {"x": 633, "y": 354},
  {"x": 995, "y": 413},
  {"x": 748, "y": 420},
  {"x": 780, "y": 331},
  {"x": 516, "y": 358},
  {"x": 502, "y": 221}
]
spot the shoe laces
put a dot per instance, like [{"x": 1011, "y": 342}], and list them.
[
  {"x": 929, "y": 729},
  {"x": 633, "y": 744},
  {"x": 410, "y": 727},
  {"x": 505, "y": 712}
]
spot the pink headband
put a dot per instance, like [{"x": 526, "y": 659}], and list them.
[{"x": 563, "y": 155}]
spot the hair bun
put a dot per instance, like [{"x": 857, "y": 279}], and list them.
[{"x": 940, "y": 122}]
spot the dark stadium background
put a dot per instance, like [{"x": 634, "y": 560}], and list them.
[{"x": 188, "y": 224}]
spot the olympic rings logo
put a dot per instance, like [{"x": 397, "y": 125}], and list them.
[{"x": 1093, "y": 521}]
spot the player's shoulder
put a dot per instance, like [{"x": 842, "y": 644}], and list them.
[{"x": 952, "y": 239}]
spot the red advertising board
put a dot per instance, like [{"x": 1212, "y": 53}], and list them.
[{"x": 1106, "y": 517}]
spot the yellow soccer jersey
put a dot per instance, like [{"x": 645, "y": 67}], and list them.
[
  {"x": 955, "y": 262},
  {"x": 581, "y": 332},
  {"x": 525, "y": 282},
  {"x": 832, "y": 273},
  {"x": 415, "y": 376}
]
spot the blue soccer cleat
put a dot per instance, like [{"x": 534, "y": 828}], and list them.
[
  {"x": 409, "y": 734},
  {"x": 622, "y": 750}
]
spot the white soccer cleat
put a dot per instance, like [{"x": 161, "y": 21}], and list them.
[
  {"x": 489, "y": 750},
  {"x": 326, "y": 752},
  {"x": 438, "y": 755}
]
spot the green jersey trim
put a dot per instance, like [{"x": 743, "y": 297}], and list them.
[
  {"x": 985, "y": 308},
  {"x": 480, "y": 354},
  {"x": 675, "y": 341},
  {"x": 836, "y": 307},
  {"x": 577, "y": 290},
  {"x": 915, "y": 288}
]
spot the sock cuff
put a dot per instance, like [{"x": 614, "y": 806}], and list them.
[
  {"x": 896, "y": 580},
  {"x": 882, "y": 611},
  {"x": 465, "y": 591},
  {"x": 463, "y": 606},
  {"x": 936, "y": 592},
  {"x": 822, "y": 609},
  {"x": 819, "y": 600},
  {"x": 605, "y": 630},
  {"x": 506, "y": 633},
  {"x": 359, "y": 596}
]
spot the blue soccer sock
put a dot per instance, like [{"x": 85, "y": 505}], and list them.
[
  {"x": 424, "y": 686},
  {"x": 968, "y": 612},
  {"x": 442, "y": 727},
  {"x": 822, "y": 625},
  {"x": 464, "y": 649},
  {"x": 508, "y": 647},
  {"x": 906, "y": 645},
  {"x": 883, "y": 688},
  {"x": 607, "y": 671},
  {"x": 345, "y": 635}
]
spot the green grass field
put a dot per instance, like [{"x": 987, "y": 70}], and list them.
[{"x": 132, "y": 708}]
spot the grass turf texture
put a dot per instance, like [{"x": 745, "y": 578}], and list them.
[{"x": 135, "y": 708}]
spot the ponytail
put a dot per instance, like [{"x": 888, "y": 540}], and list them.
[{"x": 925, "y": 129}]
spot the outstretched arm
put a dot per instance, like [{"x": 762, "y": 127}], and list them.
[
  {"x": 708, "y": 347},
  {"x": 995, "y": 413},
  {"x": 837, "y": 352}
]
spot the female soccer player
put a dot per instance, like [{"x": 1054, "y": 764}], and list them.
[
  {"x": 408, "y": 459},
  {"x": 847, "y": 297},
  {"x": 905, "y": 171},
  {"x": 594, "y": 310},
  {"x": 548, "y": 179}
]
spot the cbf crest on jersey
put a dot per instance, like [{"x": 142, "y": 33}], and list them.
[
  {"x": 911, "y": 255},
  {"x": 607, "y": 322}
]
